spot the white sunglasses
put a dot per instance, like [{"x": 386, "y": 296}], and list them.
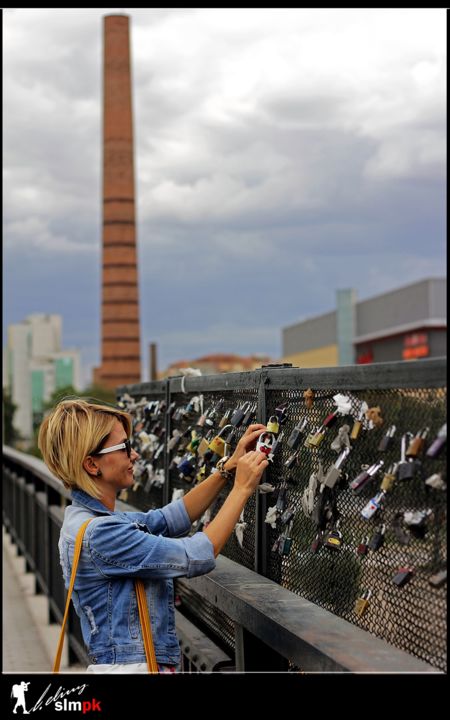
[{"x": 122, "y": 446}]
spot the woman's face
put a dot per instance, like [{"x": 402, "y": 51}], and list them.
[{"x": 116, "y": 467}]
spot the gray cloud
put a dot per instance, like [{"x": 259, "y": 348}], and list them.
[{"x": 280, "y": 155}]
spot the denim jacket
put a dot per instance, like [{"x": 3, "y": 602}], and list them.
[{"x": 117, "y": 548}]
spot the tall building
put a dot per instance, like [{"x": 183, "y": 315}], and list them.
[
  {"x": 120, "y": 329},
  {"x": 408, "y": 323},
  {"x": 36, "y": 366}
]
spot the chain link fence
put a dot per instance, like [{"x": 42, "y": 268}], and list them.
[{"x": 366, "y": 540}]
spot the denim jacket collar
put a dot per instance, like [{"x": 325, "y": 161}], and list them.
[{"x": 79, "y": 497}]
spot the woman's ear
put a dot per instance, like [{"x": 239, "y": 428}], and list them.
[{"x": 90, "y": 466}]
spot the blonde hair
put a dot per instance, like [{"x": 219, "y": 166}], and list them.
[{"x": 73, "y": 430}]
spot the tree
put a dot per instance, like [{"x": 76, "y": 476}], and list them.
[
  {"x": 93, "y": 391},
  {"x": 10, "y": 434}
]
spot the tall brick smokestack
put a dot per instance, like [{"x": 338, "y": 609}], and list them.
[{"x": 121, "y": 362}]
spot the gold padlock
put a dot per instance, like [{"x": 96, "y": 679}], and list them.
[
  {"x": 357, "y": 425},
  {"x": 273, "y": 426},
  {"x": 314, "y": 439},
  {"x": 217, "y": 444},
  {"x": 389, "y": 478},
  {"x": 203, "y": 446},
  {"x": 362, "y": 603}
]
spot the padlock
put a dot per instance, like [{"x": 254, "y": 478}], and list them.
[
  {"x": 195, "y": 442},
  {"x": 158, "y": 451},
  {"x": 373, "y": 505},
  {"x": 273, "y": 426},
  {"x": 249, "y": 415},
  {"x": 229, "y": 437},
  {"x": 217, "y": 444},
  {"x": 406, "y": 439},
  {"x": 277, "y": 443},
  {"x": 406, "y": 468},
  {"x": 330, "y": 420},
  {"x": 296, "y": 435},
  {"x": 377, "y": 539},
  {"x": 363, "y": 548},
  {"x": 362, "y": 603},
  {"x": 264, "y": 444},
  {"x": 225, "y": 419},
  {"x": 281, "y": 499},
  {"x": 437, "y": 444},
  {"x": 360, "y": 480},
  {"x": 417, "y": 443},
  {"x": 186, "y": 466},
  {"x": 314, "y": 439},
  {"x": 212, "y": 413},
  {"x": 281, "y": 413},
  {"x": 174, "y": 440},
  {"x": 334, "y": 472},
  {"x": 357, "y": 425},
  {"x": 292, "y": 459},
  {"x": 202, "y": 420},
  {"x": 333, "y": 540},
  {"x": 386, "y": 440},
  {"x": 239, "y": 414},
  {"x": 287, "y": 515},
  {"x": 204, "y": 443},
  {"x": 276, "y": 546},
  {"x": 438, "y": 579},
  {"x": 403, "y": 576},
  {"x": 389, "y": 478},
  {"x": 285, "y": 546}
]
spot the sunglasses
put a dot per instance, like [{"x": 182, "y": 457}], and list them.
[{"x": 122, "y": 446}]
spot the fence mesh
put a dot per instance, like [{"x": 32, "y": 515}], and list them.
[{"x": 326, "y": 551}]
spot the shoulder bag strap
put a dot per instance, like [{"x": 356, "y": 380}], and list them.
[
  {"x": 76, "y": 557},
  {"x": 144, "y": 617}
]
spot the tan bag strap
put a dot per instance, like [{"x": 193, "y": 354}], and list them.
[
  {"x": 144, "y": 616},
  {"x": 146, "y": 627},
  {"x": 76, "y": 557}
]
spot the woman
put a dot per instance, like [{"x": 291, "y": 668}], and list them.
[{"x": 87, "y": 446}]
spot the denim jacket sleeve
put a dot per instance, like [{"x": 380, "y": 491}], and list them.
[
  {"x": 119, "y": 547},
  {"x": 172, "y": 520}
]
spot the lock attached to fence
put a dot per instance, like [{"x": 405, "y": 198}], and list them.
[
  {"x": 362, "y": 603},
  {"x": 415, "y": 447},
  {"x": 217, "y": 444},
  {"x": 386, "y": 440},
  {"x": 273, "y": 426},
  {"x": 360, "y": 480},
  {"x": 437, "y": 444},
  {"x": 266, "y": 443}
]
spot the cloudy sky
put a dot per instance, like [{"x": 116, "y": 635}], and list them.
[{"x": 280, "y": 155}]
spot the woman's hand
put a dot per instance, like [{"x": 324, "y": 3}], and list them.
[
  {"x": 250, "y": 467},
  {"x": 245, "y": 444}
]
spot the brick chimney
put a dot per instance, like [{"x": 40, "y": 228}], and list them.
[{"x": 121, "y": 361}]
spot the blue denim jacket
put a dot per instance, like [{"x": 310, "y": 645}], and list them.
[{"x": 117, "y": 548}]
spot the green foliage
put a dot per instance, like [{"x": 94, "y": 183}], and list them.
[
  {"x": 93, "y": 391},
  {"x": 11, "y": 435}
]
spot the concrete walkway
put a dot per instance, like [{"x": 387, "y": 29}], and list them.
[{"x": 29, "y": 641}]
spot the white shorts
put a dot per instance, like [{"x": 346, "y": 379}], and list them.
[{"x": 130, "y": 668}]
